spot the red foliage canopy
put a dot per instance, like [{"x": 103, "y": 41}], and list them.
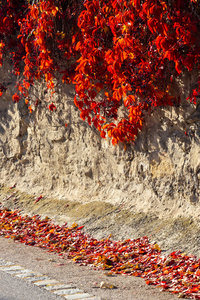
[{"x": 127, "y": 52}]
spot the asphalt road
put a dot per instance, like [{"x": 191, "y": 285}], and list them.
[
  {"x": 13, "y": 288},
  {"x": 64, "y": 271}
]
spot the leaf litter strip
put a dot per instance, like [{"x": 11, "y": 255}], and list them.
[{"x": 177, "y": 273}]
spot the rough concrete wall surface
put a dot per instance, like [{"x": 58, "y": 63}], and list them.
[{"x": 159, "y": 174}]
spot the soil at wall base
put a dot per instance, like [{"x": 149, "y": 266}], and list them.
[{"x": 102, "y": 220}]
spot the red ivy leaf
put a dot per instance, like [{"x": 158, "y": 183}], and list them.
[
  {"x": 15, "y": 98},
  {"x": 52, "y": 107}
]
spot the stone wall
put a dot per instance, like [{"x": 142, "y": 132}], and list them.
[{"x": 159, "y": 174}]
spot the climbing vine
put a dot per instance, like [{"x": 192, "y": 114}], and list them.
[{"x": 122, "y": 56}]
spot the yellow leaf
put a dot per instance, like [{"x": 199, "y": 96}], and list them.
[
  {"x": 124, "y": 28},
  {"x": 157, "y": 247},
  {"x": 131, "y": 55},
  {"x": 54, "y": 11}
]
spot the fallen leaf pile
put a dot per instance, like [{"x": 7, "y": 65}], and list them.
[{"x": 177, "y": 273}]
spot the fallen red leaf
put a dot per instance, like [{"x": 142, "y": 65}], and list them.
[
  {"x": 40, "y": 197},
  {"x": 177, "y": 273}
]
